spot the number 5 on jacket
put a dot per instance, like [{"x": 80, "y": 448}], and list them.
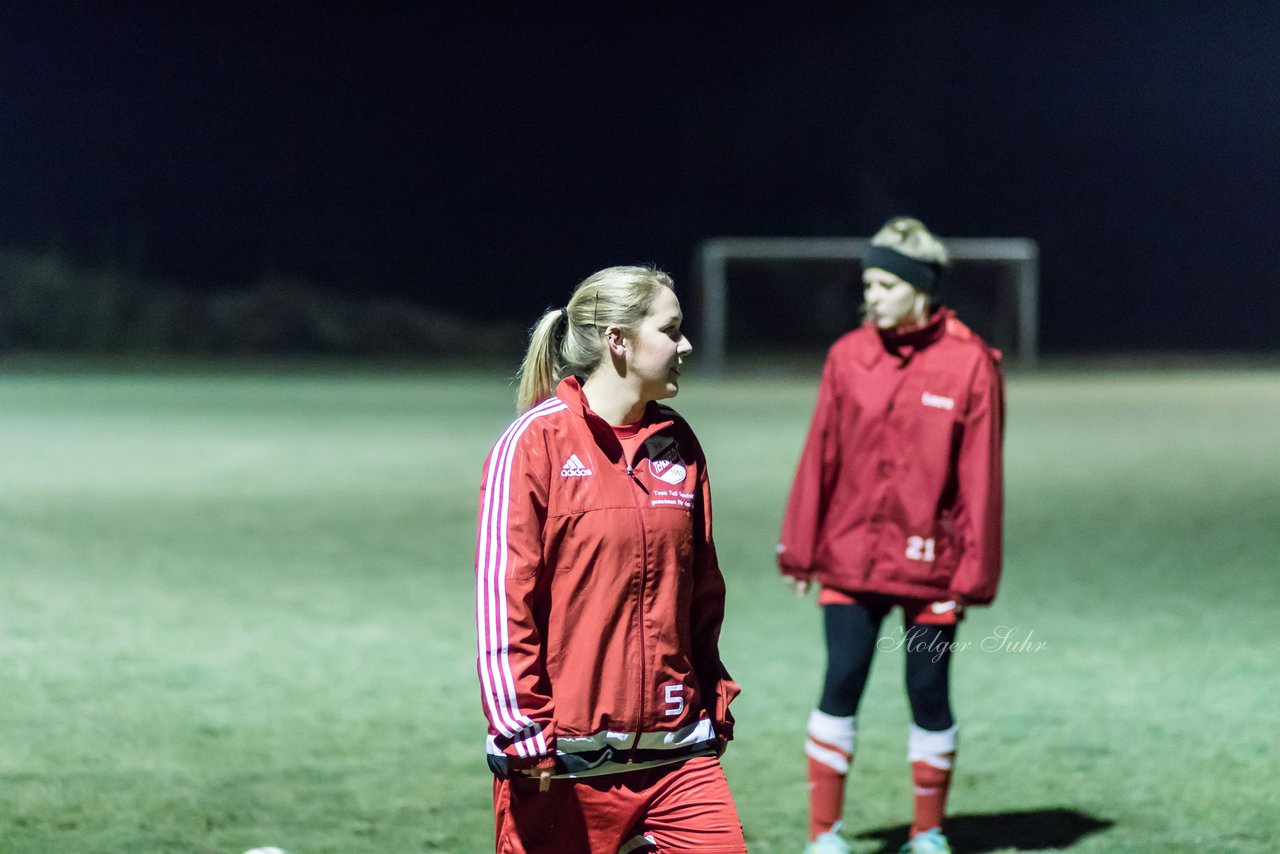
[{"x": 674, "y": 699}]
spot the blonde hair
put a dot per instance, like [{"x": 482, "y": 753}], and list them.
[
  {"x": 909, "y": 236},
  {"x": 615, "y": 296}
]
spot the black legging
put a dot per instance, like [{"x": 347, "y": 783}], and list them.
[{"x": 851, "y": 642}]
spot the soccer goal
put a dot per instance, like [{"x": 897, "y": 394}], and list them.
[{"x": 766, "y": 294}]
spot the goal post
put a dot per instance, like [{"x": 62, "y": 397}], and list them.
[{"x": 1019, "y": 255}]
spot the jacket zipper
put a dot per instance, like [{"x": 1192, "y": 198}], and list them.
[
  {"x": 644, "y": 571},
  {"x": 880, "y": 509}
]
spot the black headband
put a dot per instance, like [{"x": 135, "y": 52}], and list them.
[{"x": 921, "y": 275}]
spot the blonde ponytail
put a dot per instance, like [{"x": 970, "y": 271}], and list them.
[
  {"x": 539, "y": 372},
  {"x": 615, "y": 296}
]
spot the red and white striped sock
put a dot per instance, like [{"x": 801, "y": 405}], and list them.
[
  {"x": 829, "y": 746},
  {"x": 931, "y": 755}
]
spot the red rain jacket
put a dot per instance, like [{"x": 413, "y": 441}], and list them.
[
  {"x": 598, "y": 595},
  {"x": 899, "y": 490}
]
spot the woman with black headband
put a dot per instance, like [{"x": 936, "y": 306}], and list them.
[{"x": 896, "y": 503}]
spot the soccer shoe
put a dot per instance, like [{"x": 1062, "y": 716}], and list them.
[
  {"x": 828, "y": 843},
  {"x": 930, "y": 842}
]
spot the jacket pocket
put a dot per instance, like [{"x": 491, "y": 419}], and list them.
[{"x": 948, "y": 546}]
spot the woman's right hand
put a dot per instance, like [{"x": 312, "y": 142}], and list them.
[
  {"x": 540, "y": 768},
  {"x": 799, "y": 586}
]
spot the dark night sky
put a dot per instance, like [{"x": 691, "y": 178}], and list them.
[{"x": 484, "y": 161}]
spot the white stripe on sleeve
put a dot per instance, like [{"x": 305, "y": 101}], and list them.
[{"x": 493, "y": 638}]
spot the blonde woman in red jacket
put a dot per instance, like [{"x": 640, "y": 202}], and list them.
[
  {"x": 598, "y": 595},
  {"x": 896, "y": 503}
]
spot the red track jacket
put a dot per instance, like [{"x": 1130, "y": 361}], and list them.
[
  {"x": 898, "y": 491},
  {"x": 598, "y": 595}
]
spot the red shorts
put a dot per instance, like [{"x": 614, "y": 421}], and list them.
[
  {"x": 942, "y": 612},
  {"x": 683, "y": 807}
]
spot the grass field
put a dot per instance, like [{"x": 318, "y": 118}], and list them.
[{"x": 235, "y": 610}]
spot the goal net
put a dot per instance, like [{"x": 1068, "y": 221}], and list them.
[{"x": 796, "y": 295}]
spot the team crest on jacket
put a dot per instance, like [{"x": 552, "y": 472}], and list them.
[{"x": 668, "y": 467}]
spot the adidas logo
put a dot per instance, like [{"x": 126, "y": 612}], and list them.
[{"x": 573, "y": 467}]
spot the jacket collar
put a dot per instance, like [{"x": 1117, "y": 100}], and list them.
[
  {"x": 905, "y": 343},
  {"x": 569, "y": 391}
]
